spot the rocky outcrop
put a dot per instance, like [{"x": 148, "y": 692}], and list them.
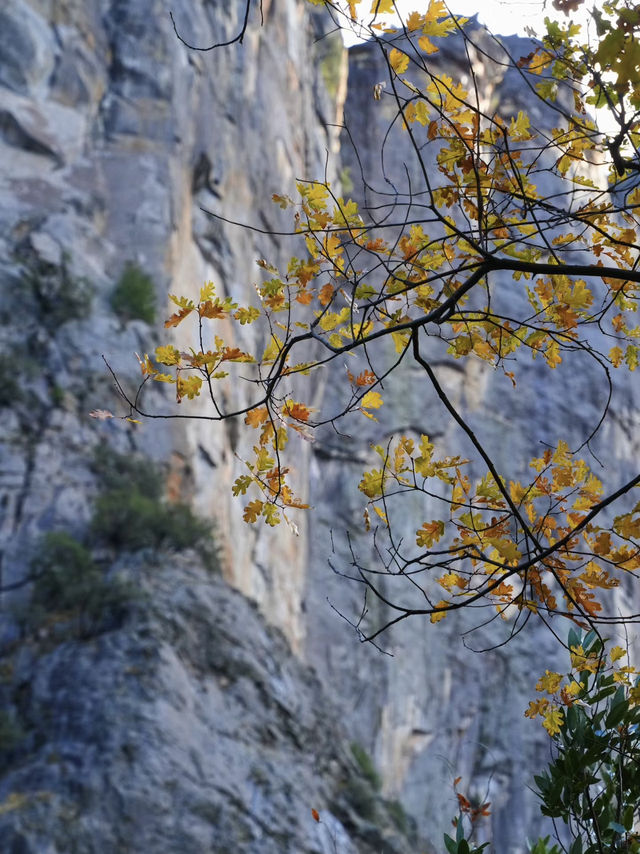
[
  {"x": 437, "y": 709},
  {"x": 180, "y": 720},
  {"x": 191, "y": 727},
  {"x": 115, "y": 136}
]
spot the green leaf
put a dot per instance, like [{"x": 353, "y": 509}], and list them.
[
  {"x": 576, "y": 848},
  {"x": 450, "y": 845}
]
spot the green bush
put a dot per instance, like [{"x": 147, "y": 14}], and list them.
[
  {"x": 68, "y": 582},
  {"x": 116, "y": 470},
  {"x": 366, "y": 765},
  {"x": 332, "y": 62},
  {"x": 10, "y": 390},
  {"x": 361, "y": 797},
  {"x": 593, "y": 780},
  {"x": 131, "y": 515},
  {"x": 399, "y": 817},
  {"x": 129, "y": 521},
  {"x": 11, "y": 732},
  {"x": 134, "y": 296}
]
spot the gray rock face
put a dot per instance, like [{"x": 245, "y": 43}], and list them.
[
  {"x": 190, "y": 725},
  {"x": 437, "y": 710},
  {"x": 191, "y": 728}
]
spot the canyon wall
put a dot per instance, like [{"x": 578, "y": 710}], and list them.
[
  {"x": 190, "y": 718},
  {"x": 437, "y": 709}
]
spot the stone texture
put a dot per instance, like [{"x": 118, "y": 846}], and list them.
[
  {"x": 437, "y": 710},
  {"x": 191, "y": 726}
]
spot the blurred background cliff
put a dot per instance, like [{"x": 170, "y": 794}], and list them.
[{"x": 171, "y": 679}]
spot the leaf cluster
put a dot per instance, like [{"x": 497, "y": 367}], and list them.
[
  {"x": 69, "y": 583},
  {"x": 130, "y": 513},
  {"x": 593, "y": 781},
  {"x": 385, "y": 282}
]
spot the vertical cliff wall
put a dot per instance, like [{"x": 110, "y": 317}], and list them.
[
  {"x": 436, "y": 709},
  {"x": 172, "y": 719},
  {"x": 176, "y": 719},
  {"x": 114, "y": 137}
]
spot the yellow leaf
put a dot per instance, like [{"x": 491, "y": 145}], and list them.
[
  {"x": 398, "y": 60},
  {"x": 552, "y": 354},
  {"x": 252, "y": 511},
  {"x": 241, "y": 484},
  {"x": 553, "y": 720},
  {"x": 439, "y": 615},
  {"x": 573, "y": 689},
  {"x": 519, "y": 129},
  {"x": 401, "y": 340},
  {"x": 536, "y": 707},
  {"x": 451, "y": 580},
  {"x": 167, "y": 355},
  {"x": 189, "y": 387},
  {"x": 429, "y": 533},
  {"x": 372, "y": 483},
  {"x": 382, "y": 7},
  {"x": 382, "y": 515},
  {"x": 146, "y": 367},
  {"x": 616, "y": 653},
  {"x": 371, "y": 400},
  {"x": 550, "y": 682},
  {"x": 247, "y": 315},
  {"x": 271, "y": 514},
  {"x": 263, "y": 461},
  {"x": 427, "y": 45},
  {"x": 616, "y": 355},
  {"x": 272, "y": 350}
]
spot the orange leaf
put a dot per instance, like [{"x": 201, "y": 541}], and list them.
[
  {"x": 315, "y": 814},
  {"x": 256, "y": 417},
  {"x": 365, "y": 378},
  {"x": 304, "y": 297},
  {"x": 297, "y": 411},
  {"x": 177, "y": 318},
  {"x": 326, "y": 294},
  {"x": 211, "y": 310}
]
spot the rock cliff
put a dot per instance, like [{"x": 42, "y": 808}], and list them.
[
  {"x": 176, "y": 715},
  {"x": 437, "y": 710}
]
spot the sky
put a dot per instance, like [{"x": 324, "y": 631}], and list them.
[{"x": 504, "y": 17}]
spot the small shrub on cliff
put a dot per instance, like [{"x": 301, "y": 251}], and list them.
[
  {"x": 134, "y": 296},
  {"x": 69, "y": 583},
  {"x": 11, "y": 732},
  {"x": 117, "y": 470},
  {"x": 366, "y": 765},
  {"x": 131, "y": 514}
]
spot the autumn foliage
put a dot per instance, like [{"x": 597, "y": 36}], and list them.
[{"x": 540, "y": 546}]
